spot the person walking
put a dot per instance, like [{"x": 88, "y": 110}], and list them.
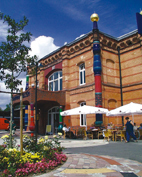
[{"x": 129, "y": 130}]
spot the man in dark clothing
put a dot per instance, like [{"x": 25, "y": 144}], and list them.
[
  {"x": 13, "y": 127},
  {"x": 129, "y": 130}
]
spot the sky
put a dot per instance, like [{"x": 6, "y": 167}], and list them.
[{"x": 54, "y": 23}]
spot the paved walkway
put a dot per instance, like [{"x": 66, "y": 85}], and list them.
[{"x": 86, "y": 165}]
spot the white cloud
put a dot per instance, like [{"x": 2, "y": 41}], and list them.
[
  {"x": 42, "y": 46},
  {"x": 3, "y": 31},
  {"x": 5, "y": 97},
  {"x": 80, "y": 36}
]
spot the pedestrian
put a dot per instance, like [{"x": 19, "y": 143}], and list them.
[
  {"x": 69, "y": 134},
  {"x": 65, "y": 128},
  {"x": 13, "y": 128},
  {"x": 129, "y": 130},
  {"x": 140, "y": 128},
  {"x": 109, "y": 127},
  {"x": 135, "y": 127}
]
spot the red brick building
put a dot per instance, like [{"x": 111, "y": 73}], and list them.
[{"x": 67, "y": 79}]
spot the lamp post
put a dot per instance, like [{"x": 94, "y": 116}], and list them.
[
  {"x": 36, "y": 128},
  {"x": 36, "y": 121}
]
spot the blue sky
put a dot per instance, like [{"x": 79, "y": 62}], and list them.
[{"x": 54, "y": 22}]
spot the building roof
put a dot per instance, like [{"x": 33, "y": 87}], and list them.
[{"x": 85, "y": 35}]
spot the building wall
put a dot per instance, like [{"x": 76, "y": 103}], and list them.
[
  {"x": 80, "y": 51},
  {"x": 132, "y": 78}
]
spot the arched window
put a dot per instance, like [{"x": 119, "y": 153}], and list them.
[
  {"x": 82, "y": 74},
  {"x": 82, "y": 116},
  {"x": 55, "y": 81}
]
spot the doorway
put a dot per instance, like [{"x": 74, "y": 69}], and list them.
[{"x": 53, "y": 119}]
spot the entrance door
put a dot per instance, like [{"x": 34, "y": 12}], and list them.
[{"x": 53, "y": 119}]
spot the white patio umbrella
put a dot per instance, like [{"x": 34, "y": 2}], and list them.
[
  {"x": 128, "y": 109},
  {"x": 84, "y": 110}
]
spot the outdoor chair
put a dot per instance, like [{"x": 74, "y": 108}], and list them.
[
  {"x": 120, "y": 134},
  {"x": 48, "y": 130},
  {"x": 81, "y": 133},
  {"x": 66, "y": 134},
  {"x": 89, "y": 134},
  {"x": 100, "y": 133},
  {"x": 108, "y": 134},
  {"x": 140, "y": 131}
]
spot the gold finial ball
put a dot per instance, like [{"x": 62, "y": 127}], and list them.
[
  {"x": 94, "y": 17},
  {"x": 141, "y": 12}
]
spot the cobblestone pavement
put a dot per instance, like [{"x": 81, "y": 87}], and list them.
[{"x": 86, "y": 165}]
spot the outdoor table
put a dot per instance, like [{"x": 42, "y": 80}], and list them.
[
  {"x": 121, "y": 133},
  {"x": 95, "y": 129},
  {"x": 137, "y": 134},
  {"x": 95, "y": 132}
]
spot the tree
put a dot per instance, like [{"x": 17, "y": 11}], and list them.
[
  {"x": 7, "y": 107},
  {"x": 1, "y": 109},
  {"x": 14, "y": 56}
]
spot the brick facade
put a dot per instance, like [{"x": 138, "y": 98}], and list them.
[{"x": 68, "y": 59}]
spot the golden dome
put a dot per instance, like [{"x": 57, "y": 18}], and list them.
[
  {"x": 141, "y": 12},
  {"x": 94, "y": 17}
]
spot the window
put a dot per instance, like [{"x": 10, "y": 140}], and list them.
[
  {"x": 82, "y": 116},
  {"x": 6, "y": 121},
  {"x": 55, "y": 81},
  {"x": 82, "y": 74}
]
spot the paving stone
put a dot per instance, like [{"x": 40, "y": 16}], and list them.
[
  {"x": 114, "y": 174},
  {"x": 139, "y": 173},
  {"x": 86, "y": 167},
  {"x": 136, "y": 167},
  {"x": 79, "y": 166},
  {"x": 124, "y": 168},
  {"x": 87, "y": 162}
]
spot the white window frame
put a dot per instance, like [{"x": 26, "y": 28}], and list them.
[
  {"x": 59, "y": 79},
  {"x": 83, "y": 116},
  {"x": 83, "y": 74}
]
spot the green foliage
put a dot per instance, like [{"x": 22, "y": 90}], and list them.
[
  {"x": 46, "y": 155},
  {"x": 14, "y": 53},
  {"x": 45, "y": 146},
  {"x": 7, "y": 107},
  {"x": 1, "y": 109}
]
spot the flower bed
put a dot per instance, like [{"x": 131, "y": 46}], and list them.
[{"x": 38, "y": 157}]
